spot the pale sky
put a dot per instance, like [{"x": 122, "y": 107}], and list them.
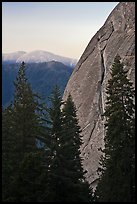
[{"x": 63, "y": 28}]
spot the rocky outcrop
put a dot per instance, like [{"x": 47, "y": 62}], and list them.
[{"x": 88, "y": 81}]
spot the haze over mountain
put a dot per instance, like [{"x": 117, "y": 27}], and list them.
[
  {"x": 37, "y": 56},
  {"x": 44, "y": 70},
  {"x": 12, "y": 57}
]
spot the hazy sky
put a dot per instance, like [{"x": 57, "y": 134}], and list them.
[{"x": 62, "y": 28}]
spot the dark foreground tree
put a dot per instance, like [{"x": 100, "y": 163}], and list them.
[
  {"x": 31, "y": 183},
  {"x": 8, "y": 152},
  {"x": 22, "y": 125},
  {"x": 117, "y": 181},
  {"x": 66, "y": 173},
  {"x": 26, "y": 110},
  {"x": 72, "y": 171}
]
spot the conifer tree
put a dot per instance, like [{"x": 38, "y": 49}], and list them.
[
  {"x": 75, "y": 187},
  {"x": 117, "y": 181},
  {"x": 27, "y": 124},
  {"x": 67, "y": 182},
  {"x": 30, "y": 125},
  {"x": 25, "y": 116}
]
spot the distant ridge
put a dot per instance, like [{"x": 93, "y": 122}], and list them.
[{"x": 37, "y": 56}]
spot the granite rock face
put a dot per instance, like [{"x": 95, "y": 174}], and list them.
[{"x": 88, "y": 81}]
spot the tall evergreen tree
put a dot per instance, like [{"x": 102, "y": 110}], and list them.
[
  {"x": 66, "y": 173},
  {"x": 25, "y": 107},
  {"x": 117, "y": 181},
  {"x": 75, "y": 187},
  {"x": 27, "y": 125}
]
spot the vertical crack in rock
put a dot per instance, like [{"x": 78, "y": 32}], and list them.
[
  {"x": 103, "y": 69},
  {"x": 99, "y": 88},
  {"x": 101, "y": 105}
]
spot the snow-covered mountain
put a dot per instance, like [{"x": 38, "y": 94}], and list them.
[{"x": 37, "y": 56}]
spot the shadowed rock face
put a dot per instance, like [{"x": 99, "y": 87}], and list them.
[{"x": 88, "y": 81}]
